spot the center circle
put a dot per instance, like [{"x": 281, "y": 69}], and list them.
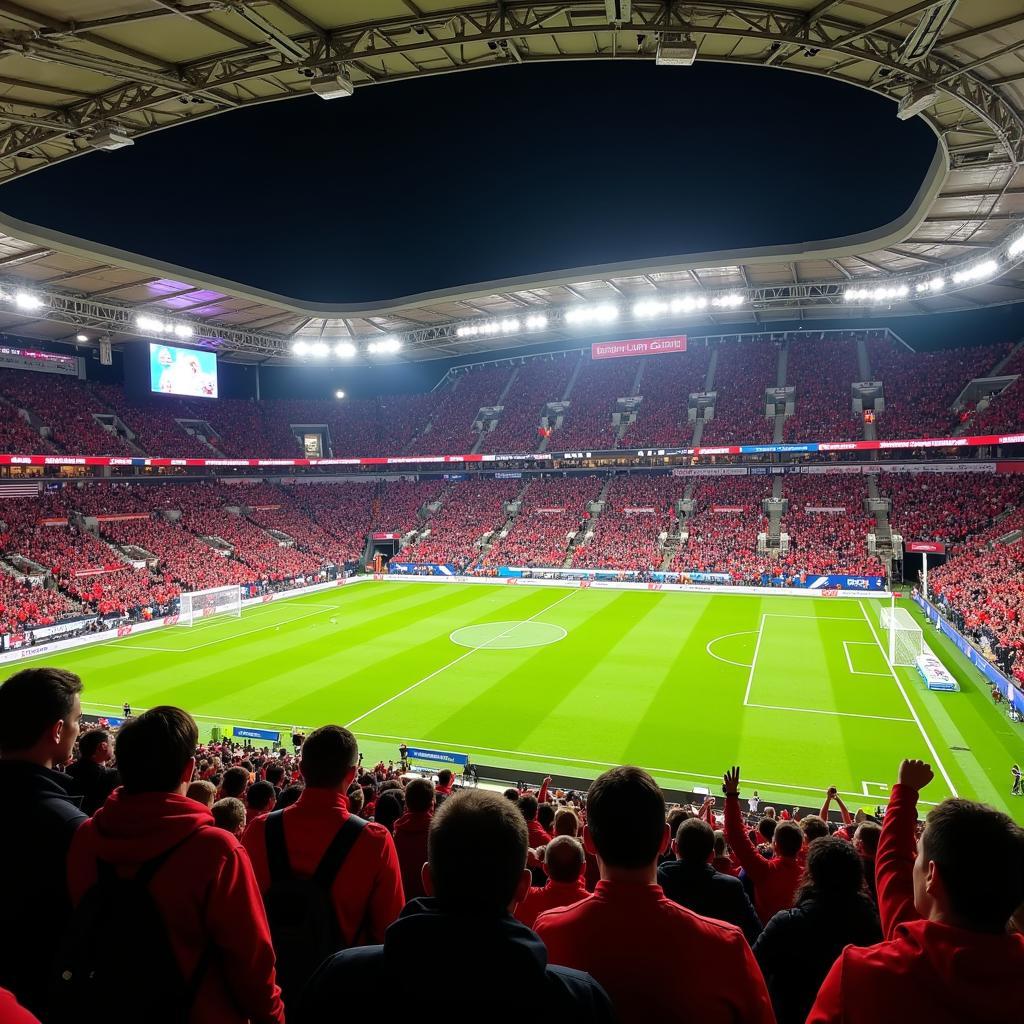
[{"x": 507, "y": 636}]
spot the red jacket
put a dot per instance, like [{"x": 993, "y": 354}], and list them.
[
  {"x": 11, "y": 1012},
  {"x": 537, "y": 835},
  {"x": 924, "y": 970},
  {"x": 775, "y": 880},
  {"x": 367, "y": 892},
  {"x": 205, "y": 892},
  {"x": 411, "y": 846},
  {"x": 547, "y": 897},
  {"x": 656, "y": 960}
]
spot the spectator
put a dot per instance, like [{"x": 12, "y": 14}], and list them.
[
  {"x": 40, "y": 710},
  {"x": 229, "y": 814},
  {"x": 528, "y": 808},
  {"x": 565, "y": 866},
  {"x": 445, "y": 782},
  {"x": 196, "y": 874},
  {"x": 203, "y": 792},
  {"x": 657, "y": 960},
  {"x": 476, "y": 873},
  {"x": 389, "y": 809},
  {"x": 91, "y": 779},
  {"x": 260, "y": 798},
  {"x": 411, "y": 835},
  {"x": 320, "y": 841},
  {"x": 832, "y": 910},
  {"x": 567, "y": 822},
  {"x": 865, "y": 842},
  {"x": 11, "y": 1012},
  {"x": 774, "y": 879},
  {"x": 947, "y": 955},
  {"x": 691, "y": 881},
  {"x": 234, "y": 783}
]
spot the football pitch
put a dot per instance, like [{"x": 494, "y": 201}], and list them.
[{"x": 571, "y": 680}]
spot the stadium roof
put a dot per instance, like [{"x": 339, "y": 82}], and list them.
[{"x": 129, "y": 67}]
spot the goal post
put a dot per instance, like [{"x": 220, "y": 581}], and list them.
[
  {"x": 204, "y": 604},
  {"x": 904, "y": 639}
]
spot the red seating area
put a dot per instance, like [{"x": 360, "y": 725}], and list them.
[
  {"x": 153, "y": 421},
  {"x": 823, "y": 543},
  {"x": 726, "y": 542},
  {"x": 65, "y": 405},
  {"x": 588, "y": 422},
  {"x": 451, "y": 425},
  {"x": 666, "y": 386},
  {"x": 469, "y": 509},
  {"x": 246, "y": 428},
  {"x": 17, "y": 436},
  {"x": 1006, "y": 413},
  {"x": 537, "y": 382},
  {"x": 743, "y": 371},
  {"x": 948, "y": 506},
  {"x": 637, "y": 510},
  {"x": 552, "y": 507},
  {"x": 822, "y": 368},
  {"x": 920, "y": 387}
]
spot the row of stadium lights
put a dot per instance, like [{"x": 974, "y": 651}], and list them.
[
  {"x": 345, "y": 349},
  {"x": 982, "y": 271}
]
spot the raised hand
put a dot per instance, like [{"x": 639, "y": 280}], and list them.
[
  {"x": 732, "y": 780},
  {"x": 916, "y": 774}
]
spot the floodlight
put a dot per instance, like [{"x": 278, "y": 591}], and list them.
[
  {"x": 536, "y": 322},
  {"x": 23, "y": 300},
  {"x": 183, "y": 331},
  {"x": 344, "y": 350},
  {"x": 339, "y": 394},
  {"x": 319, "y": 349},
  {"x": 385, "y": 346},
  {"x": 1016, "y": 248},
  {"x": 150, "y": 325},
  {"x": 676, "y": 54},
  {"x": 979, "y": 272},
  {"x": 82, "y": 337},
  {"x": 109, "y": 140},
  {"x": 300, "y": 348},
  {"x": 592, "y": 314},
  {"x": 916, "y": 101},
  {"x": 332, "y": 87}
]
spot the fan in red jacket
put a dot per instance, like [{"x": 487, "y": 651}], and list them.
[
  {"x": 411, "y": 835},
  {"x": 947, "y": 957},
  {"x": 565, "y": 866},
  {"x": 776, "y": 879},
  {"x": 205, "y": 891}
]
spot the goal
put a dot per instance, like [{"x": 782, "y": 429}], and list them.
[
  {"x": 203, "y": 604},
  {"x": 903, "y": 637}
]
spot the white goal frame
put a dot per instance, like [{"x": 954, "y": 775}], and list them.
[
  {"x": 904, "y": 637},
  {"x": 205, "y": 604}
]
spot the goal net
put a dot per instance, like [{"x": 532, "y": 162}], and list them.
[
  {"x": 904, "y": 640},
  {"x": 204, "y": 604}
]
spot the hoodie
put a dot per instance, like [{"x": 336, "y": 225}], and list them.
[
  {"x": 924, "y": 970},
  {"x": 42, "y": 817},
  {"x": 206, "y": 894},
  {"x": 411, "y": 845},
  {"x": 490, "y": 950}
]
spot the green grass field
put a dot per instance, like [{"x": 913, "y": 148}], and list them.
[{"x": 797, "y": 691}]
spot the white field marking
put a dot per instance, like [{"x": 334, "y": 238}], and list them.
[
  {"x": 837, "y": 714},
  {"x": 856, "y": 671},
  {"x": 561, "y": 759},
  {"x": 217, "y": 718},
  {"x": 910, "y": 707},
  {"x": 249, "y": 613},
  {"x": 753, "y": 662},
  {"x": 816, "y": 618},
  {"x": 883, "y": 786},
  {"x": 455, "y": 661},
  {"x": 510, "y": 647},
  {"x": 725, "y": 636},
  {"x": 222, "y": 639}
]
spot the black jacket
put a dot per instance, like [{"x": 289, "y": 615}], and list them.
[
  {"x": 93, "y": 783},
  {"x": 798, "y": 947},
  {"x": 710, "y": 893},
  {"x": 501, "y": 972},
  {"x": 41, "y": 819}
]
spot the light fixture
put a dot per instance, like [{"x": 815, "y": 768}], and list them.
[
  {"x": 385, "y": 346},
  {"x": 300, "y": 348},
  {"x": 729, "y": 301},
  {"x": 332, "y": 87},
  {"x": 880, "y": 294},
  {"x": 936, "y": 284},
  {"x": 150, "y": 324},
  {"x": 339, "y": 393},
  {"x": 1016, "y": 248},
  {"x": 23, "y": 300},
  {"x": 344, "y": 350},
  {"x": 183, "y": 331},
  {"x": 319, "y": 349},
  {"x": 82, "y": 337},
  {"x": 600, "y": 314},
  {"x": 536, "y": 322},
  {"x": 109, "y": 140},
  {"x": 980, "y": 271},
  {"x": 676, "y": 53},
  {"x": 916, "y": 101}
]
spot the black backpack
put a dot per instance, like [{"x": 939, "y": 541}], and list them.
[
  {"x": 117, "y": 953},
  {"x": 300, "y": 911}
]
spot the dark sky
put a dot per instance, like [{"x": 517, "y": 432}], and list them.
[{"x": 489, "y": 174}]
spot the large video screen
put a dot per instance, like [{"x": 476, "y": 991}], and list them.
[{"x": 182, "y": 371}]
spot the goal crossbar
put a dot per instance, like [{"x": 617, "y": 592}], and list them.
[
  {"x": 204, "y": 604},
  {"x": 904, "y": 637}
]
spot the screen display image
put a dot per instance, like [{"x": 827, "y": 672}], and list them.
[{"x": 182, "y": 371}]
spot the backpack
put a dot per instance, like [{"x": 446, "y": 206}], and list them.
[
  {"x": 300, "y": 911},
  {"x": 117, "y": 953}
]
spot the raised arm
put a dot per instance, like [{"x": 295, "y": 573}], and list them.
[{"x": 735, "y": 831}]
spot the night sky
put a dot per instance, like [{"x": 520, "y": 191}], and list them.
[{"x": 468, "y": 177}]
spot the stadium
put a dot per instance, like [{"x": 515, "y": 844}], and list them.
[{"x": 403, "y": 460}]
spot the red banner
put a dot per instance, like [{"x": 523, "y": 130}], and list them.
[
  {"x": 728, "y": 508},
  {"x": 101, "y": 570},
  {"x": 386, "y": 536},
  {"x": 638, "y": 347},
  {"x": 929, "y": 547}
]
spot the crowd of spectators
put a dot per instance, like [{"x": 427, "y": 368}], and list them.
[
  {"x": 666, "y": 386},
  {"x": 17, "y": 436},
  {"x": 154, "y": 422},
  {"x": 451, "y": 423},
  {"x": 743, "y": 371},
  {"x": 822, "y": 370},
  {"x": 592, "y": 402},
  {"x": 208, "y": 881}
]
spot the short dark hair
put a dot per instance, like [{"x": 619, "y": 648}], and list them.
[
  {"x": 91, "y": 741},
  {"x": 766, "y": 828},
  {"x": 676, "y": 816},
  {"x": 546, "y": 816},
  {"x": 965, "y": 839},
  {"x": 289, "y": 795},
  {"x": 259, "y": 796},
  {"x": 528, "y": 807},
  {"x": 814, "y": 827},
  {"x": 444, "y": 776},
  {"x": 235, "y": 780},
  {"x": 476, "y": 848},
  {"x": 626, "y": 817},
  {"x": 564, "y": 859},
  {"x": 228, "y": 813},
  {"x": 153, "y": 750},
  {"x": 275, "y": 774},
  {"x": 328, "y": 755},
  {"x": 695, "y": 841},
  {"x": 511, "y": 795},
  {"x": 419, "y": 795},
  {"x": 833, "y": 872},
  {"x": 789, "y": 838},
  {"x": 388, "y": 809},
  {"x": 31, "y": 701},
  {"x": 867, "y": 834}
]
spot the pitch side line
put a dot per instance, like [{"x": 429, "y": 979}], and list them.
[
  {"x": 753, "y": 661},
  {"x": 910, "y": 707},
  {"x": 455, "y": 661},
  {"x": 196, "y": 714},
  {"x": 560, "y": 759},
  {"x": 837, "y": 714}
]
